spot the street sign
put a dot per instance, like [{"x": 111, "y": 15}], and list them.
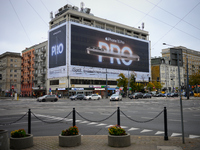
[{"x": 12, "y": 86}]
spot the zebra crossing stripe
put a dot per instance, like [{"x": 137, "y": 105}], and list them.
[
  {"x": 109, "y": 126},
  {"x": 193, "y": 136},
  {"x": 92, "y": 123},
  {"x": 85, "y": 122},
  {"x": 176, "y": 134},
  {"x": 131, "y": 129},
  {"x": 145, "y": 130},
  {"x": 101, "y": 124},
  {"x": 159, "y": 132}
]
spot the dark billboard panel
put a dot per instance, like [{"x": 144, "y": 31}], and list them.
[
  {"x": 57, "y": 53},
  {"x": 94, "y": 48},
  {"x": 57, "y": 47}
]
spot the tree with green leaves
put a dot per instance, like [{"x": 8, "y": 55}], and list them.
[
  {"x": 132, "y": 82},
  {"x": 150, "y": 86},
  {"x": 157, "y": 85},
  {"x": 122, "y": 82},
  {"x": 194, "y": 79}
]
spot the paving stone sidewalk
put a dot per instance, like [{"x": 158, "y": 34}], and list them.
[{"x": 100, "y": 142}]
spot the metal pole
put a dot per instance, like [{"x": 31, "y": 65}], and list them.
[
  {"x": 181, "y": 107},
  {"x": 68, "y": 86},
  {"x": 106, "y": 85},
  {"x": 118, "y": 116},
  {"x": 187, "y": 81},
  {"x": 165, "y": 124},
  {"x": 128, "y": 83},
  {"x": 74, "y": 117},
  {"x": 29, "y": 121}
]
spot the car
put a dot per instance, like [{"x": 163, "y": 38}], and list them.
[
  {"x": 93, "y": 96},
  {"x": 136, "y": 95},
  {"x": 153, "y": 93},
  {"x": 46, "y": 98},
  {"x": 147, "y": 95},
  {"x": 78, "y": 96},
  {"x": 173, "y": 95},
  {"x": 160, "y": 95},
  {"x": 116, "y": 97}
]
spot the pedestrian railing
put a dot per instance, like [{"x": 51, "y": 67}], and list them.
[{"x": 74, "y": 112}]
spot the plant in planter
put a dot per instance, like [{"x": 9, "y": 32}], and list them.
[
  {"x": 70, "y": 137},
  {"x": 20, "y": 140},
  {"x": 118, "y": 137}
]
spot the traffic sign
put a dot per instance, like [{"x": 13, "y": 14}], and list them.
[{"x": 12, "y": 86}]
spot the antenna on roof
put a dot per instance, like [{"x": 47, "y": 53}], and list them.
[
  {"x": 82, "y": 6},
  {"x": 143, "y": 26},
  {"x": 51, "y": 15}
]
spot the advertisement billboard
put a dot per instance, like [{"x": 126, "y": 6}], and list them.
[
  {"x": 57, "y": 54},
  {"x": 96, "y": 52}
]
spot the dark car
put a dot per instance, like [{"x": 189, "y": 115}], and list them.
[
  {"x": 173, "y": 95},
  {"x": 147, "y": 95},
  {"x": 78, "y": 96},
  {"x": 46, "y": 98},
  {"x": 160, "y": 95},
  {"x": 136, "y": 95}
]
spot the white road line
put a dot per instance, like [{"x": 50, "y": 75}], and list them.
[
  {"x": 92, "y": 123},
  {"x": 131, "y": 129},
  {"x": 146, "y": 130},
  {"x": 84, "y": 122},
  {"x": 159, "y": 132},
  {"x": 194, "y": 136},
  {"x": 176, "y": 134},
  {"x": 101, "y": 124},
  {"x": 109, "y": 126}
]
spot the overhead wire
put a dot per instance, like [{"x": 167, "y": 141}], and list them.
[{"x": 20, "y": 21}]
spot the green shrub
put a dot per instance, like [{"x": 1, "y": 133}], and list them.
[
  {"x": 18, "y": 133},
  {"x": 116, "y": 130},
  {"x": 71, "y": 131}
]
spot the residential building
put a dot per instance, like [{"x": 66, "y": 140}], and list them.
[
  {"x": 74, "y": 68},
  {"x": 165, "y": 73},
  {"x": 193, "y": 60},
  {"x": 10, "y": 73},
  {"x": 27, "y": 71},
  {"x": 40, "y": 73}
]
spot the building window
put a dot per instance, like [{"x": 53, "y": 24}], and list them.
[
  {"x": 11, "y": 75},
  {"x": 15, "y": 70},
  {"x": 54, "y": 82},
  {"x": 11, "y": 70},
  {"x": 15, "y": 75},
  {"x": 11, "y": 60}
]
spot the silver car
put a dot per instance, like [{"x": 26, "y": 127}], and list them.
[
  {"x": 116, "y": 97},
  {"x": 93, "y": 96},
  {"x": 48, "y": 98}
]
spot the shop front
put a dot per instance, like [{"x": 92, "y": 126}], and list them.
[{"x": 38, "y": 91}]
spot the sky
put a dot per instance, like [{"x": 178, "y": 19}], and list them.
[{"x": 24, "y": 23}]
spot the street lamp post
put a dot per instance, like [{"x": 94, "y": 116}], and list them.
[{"x": 181, "y": 107}]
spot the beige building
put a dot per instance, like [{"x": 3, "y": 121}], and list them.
[
  {"x": 193, "y": 60},
  {"x": 10, "y": 73}
]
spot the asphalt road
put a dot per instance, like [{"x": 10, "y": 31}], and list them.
[{"x": 49, "y": 121}]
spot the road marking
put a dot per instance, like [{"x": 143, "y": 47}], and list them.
[
  {"x": 146, "y": 130},
  {"x": 78, "y": 120},
  {"x": 124, "y": 127},
  {"x": 146, "y": 117},
  {"x": 131, "y": 129},
  {"x": 101, "y": 124},
  {"x": 109, "y": 126},
  {"x": 176, "y": 134},
  {"x": 193, "y": 136},
  {"x": 159, "y": 132},
  {"x": 84, "y": 122},
  {"x": 92, "y": 123}
]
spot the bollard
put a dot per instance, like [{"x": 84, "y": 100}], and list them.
[
  {"x": 165, "y": 124},
  {"x": 74, "y": 117},
  {"x": 29, "y": 121},
  {"x": 118, "y": 116}
]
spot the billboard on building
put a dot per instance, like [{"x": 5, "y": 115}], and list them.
[
  {"x": 57, "y": 54},
  {"x": 96, "y": 52}
]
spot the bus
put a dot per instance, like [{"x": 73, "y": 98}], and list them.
[{"x": 197, "y": 91}]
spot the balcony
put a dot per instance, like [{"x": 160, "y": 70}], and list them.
[
  {"x": 43, "y": 57},
  {"x": 35, "y": 66},
  {"x": 35, "y": 74},
  {"x": 35, "y": 80},
  {"x": 35, "y": 59},
  {"x": 43, "y": 81},
  {"x": 44, "y": 65},
  {"x": 43, "y": 50},
  {"x": 35, "y": 53},
  {"x": 43, "y": 73}
]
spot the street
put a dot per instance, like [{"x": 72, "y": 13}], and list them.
[{"x": 51, "y": 119}]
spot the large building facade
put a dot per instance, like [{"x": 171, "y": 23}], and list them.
[
  {"x": 192, "y": 56},
  {"x": 85, "y": 50},
  {"x": 10, "y": 73}
]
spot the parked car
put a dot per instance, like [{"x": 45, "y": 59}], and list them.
[
  {"x": 46, "y": 98},
  {"x": 93, "y": 96},
  {"x": 153, "y": 93},
  {"x": 78, "y": 96},
  {"x": 147, "y": 95},
  {"x": 160, "y": 95},
  {"x": 173, "y": 95},
  {"x": 116, "y": 97},
  {"x": 136, "y": 95}
]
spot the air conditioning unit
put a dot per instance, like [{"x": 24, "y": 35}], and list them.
[
  {"x": 60, "y": 9},
  {"x": 75, "y": 8},
  {"x": 87, "y": 10},
  {"x": 68, "y": 6}
]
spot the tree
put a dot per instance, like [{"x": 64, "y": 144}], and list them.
[
  {"x": 194, "y": 78},
  {"x": 122, "y": 82},
  {"x": 133, "y": 85},
  {"x": 157, "y": 85},
  {"x": 150, "y": 86}
]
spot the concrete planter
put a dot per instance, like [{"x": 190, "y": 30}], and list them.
[
  {"x": 69, "y": 141},
  {"x": 119, "y": 141},
  {"x": 4, "y": 140},
  {"x": 21, "y": 143}
]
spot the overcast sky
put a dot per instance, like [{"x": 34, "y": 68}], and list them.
[{"x": 24, "y": 23}]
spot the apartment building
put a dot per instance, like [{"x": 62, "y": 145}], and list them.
[
  {"x": 167, "y": 74},
  {"x": 40, "y": 69},
  {"x": 10, "y": 73},
  {"x": 27, "y": 71},
  {"x": 193, "y": 60},
  {"x": 72, "y": 31}
]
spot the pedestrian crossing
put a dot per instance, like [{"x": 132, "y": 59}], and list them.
[{"x": 129, "y": 129}]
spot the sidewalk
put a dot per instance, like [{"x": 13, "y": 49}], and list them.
[{"x": 99, "y": 142}]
